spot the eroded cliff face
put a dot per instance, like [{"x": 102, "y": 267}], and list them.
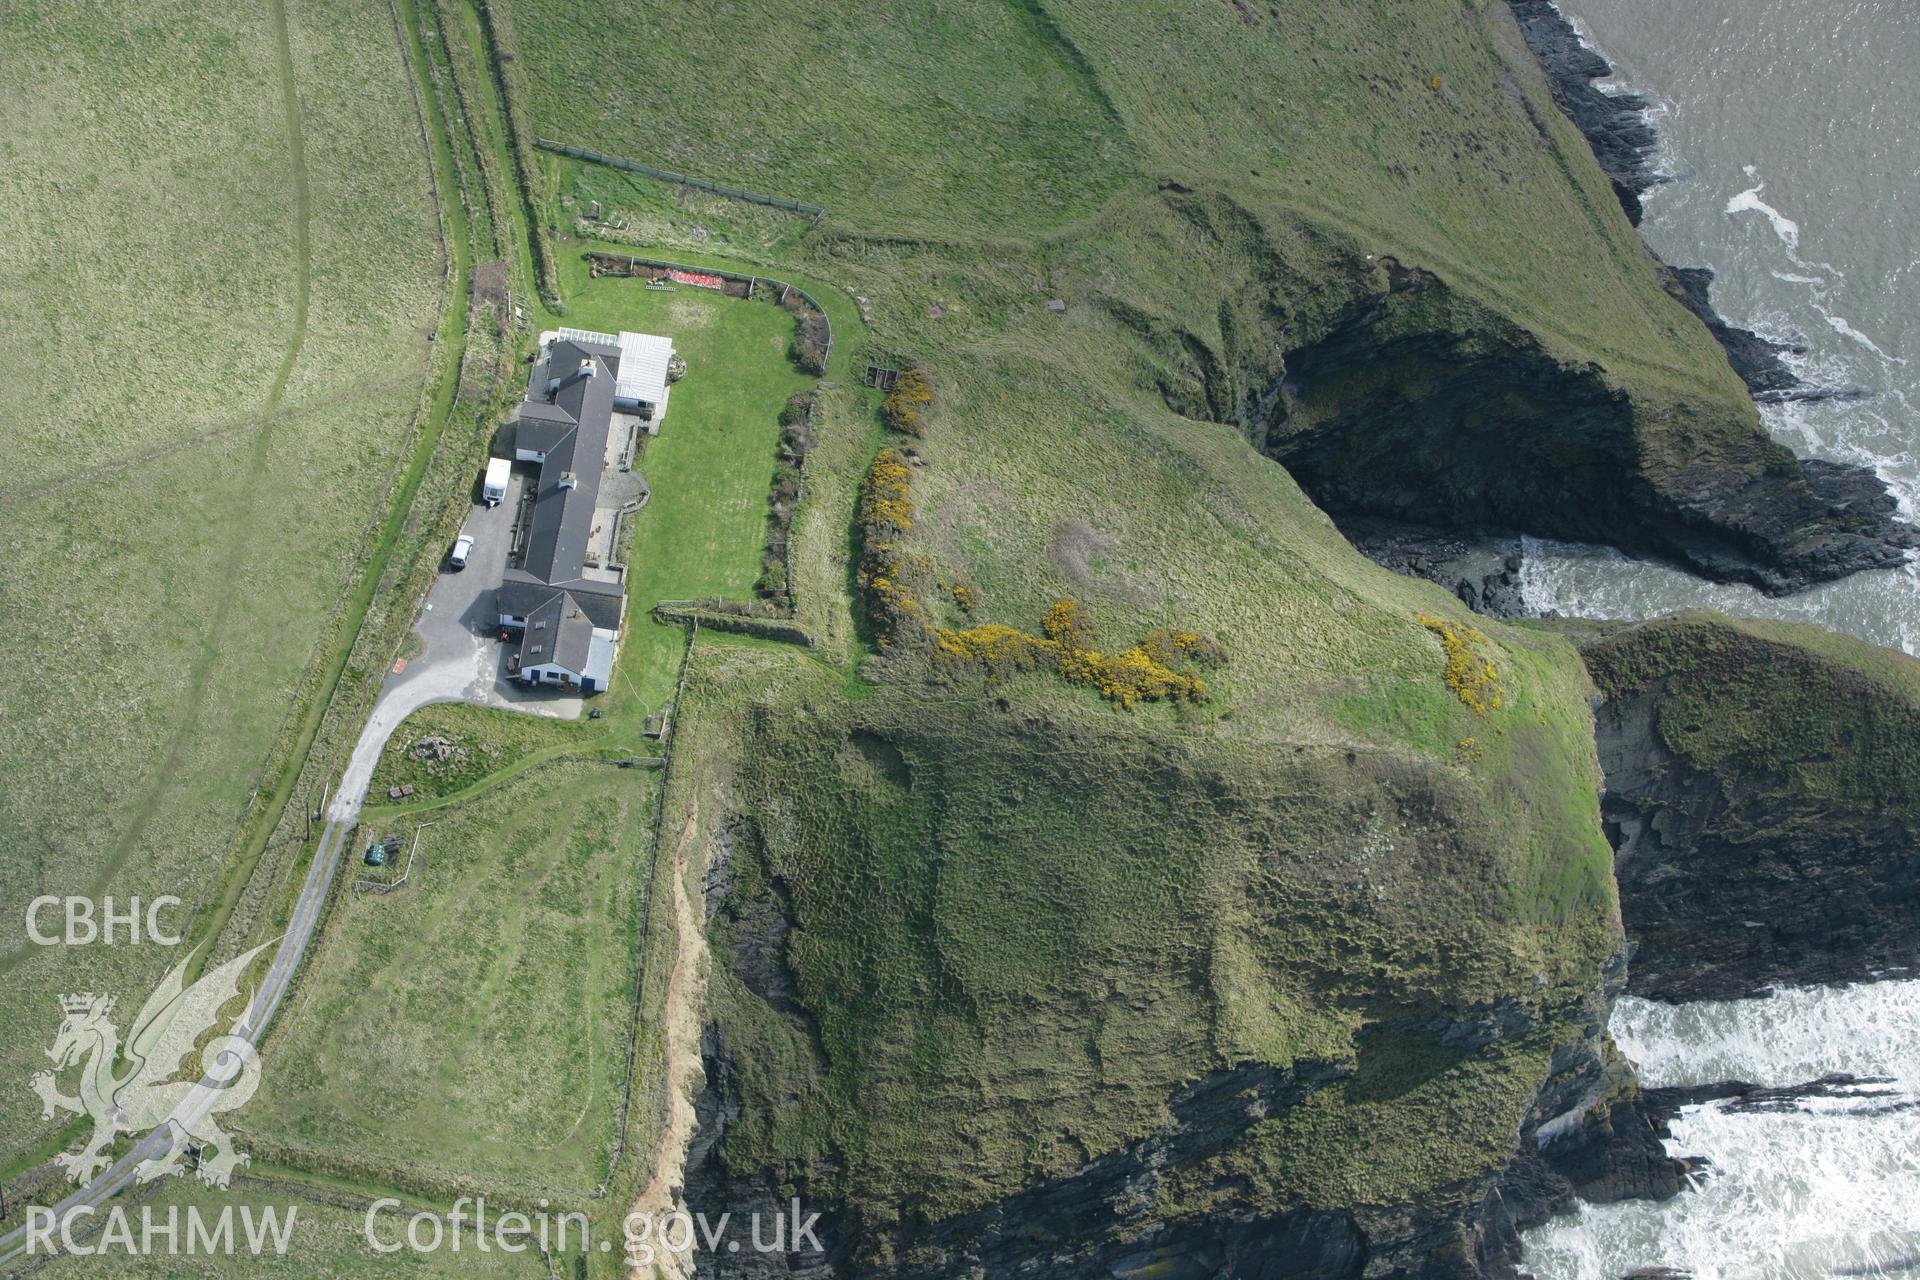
[
  {"x": 1304, "y": 1048},
  {"x": 1589, "y": 1134},
  {"x": 1419, "y": 407},
  {"x": 1763, "y": 800}
]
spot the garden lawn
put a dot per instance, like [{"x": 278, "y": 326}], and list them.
[{"x": 711, "y": 467}]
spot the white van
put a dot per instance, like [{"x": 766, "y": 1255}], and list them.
[{"x": 494, "y": 488}]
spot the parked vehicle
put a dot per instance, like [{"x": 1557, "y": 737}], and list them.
[
  {"x": 462, "y": 548},
  {"x": 494, "y": 488}
]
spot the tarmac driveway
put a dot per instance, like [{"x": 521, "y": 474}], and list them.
[{"x": 461, "y": 658}]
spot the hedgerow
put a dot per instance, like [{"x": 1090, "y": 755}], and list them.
[
  {"x": 783, "y": 499},
  {"x": 808, "y": 350},
  {"x": 894, "y": 576}
]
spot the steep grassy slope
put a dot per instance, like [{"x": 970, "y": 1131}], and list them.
[{"x": 222, "y": 257}]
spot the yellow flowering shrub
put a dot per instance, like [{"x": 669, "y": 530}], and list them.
[
  {"x": 895, "y": 578},
  {"x": 1136, "y": 674},
  {"x": 905, "y": 405},
  {"x": 1472, "y": 678},
  {"x": 993, "y": 648}
]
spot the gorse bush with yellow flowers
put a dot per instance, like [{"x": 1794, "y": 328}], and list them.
[
  {"x": 1146, "y": 672},
  {"x": 1472, "y": 678},
  {"x": 894, "y": 576},
  {"x": 905, "y": 405},
  {"x": 898, "y": 580}
]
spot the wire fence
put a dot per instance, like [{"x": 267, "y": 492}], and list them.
[{"x": 666, "y": 175}]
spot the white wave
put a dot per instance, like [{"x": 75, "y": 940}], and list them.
[
  {"x": 1749, "y": 201},
  {"x": 1827, "y": 1189},
  {"x": 1872, "y": 1029},
  {"x": 1792, "y": 1196},
  {"x": 1789, "y": 278},
  {"x": 1840, "y": 326}
]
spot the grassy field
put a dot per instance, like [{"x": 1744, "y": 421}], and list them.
[
  {"x": 485, "y": 741},
  {"x": 224, "y": 253},
  {"x": 974, "y": 114},
  {"x": 469, "y": 1030},
  {"x": 639, "y": 210}
]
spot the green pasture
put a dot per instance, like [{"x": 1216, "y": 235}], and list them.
[
  {"x": 224, "y": 261},
  {"x": 468, "y": 1031}
]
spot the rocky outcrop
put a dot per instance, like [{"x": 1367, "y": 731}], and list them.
[
  {"x": 1757, "y": 360},
  {"x": 1615, "y": 124},
  {"x": 1593, "y": 1137},
  {"x": 1483, "y": 571},
  {"x": 1763, "y": 800},
  {"x": 1421, "y": 408}
]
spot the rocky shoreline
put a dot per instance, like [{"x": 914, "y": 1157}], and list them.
[
  {"x": 1615, "y": 124},
  {"x": 1479, "y": 564},
  {"x": 1626, "y": 143}
]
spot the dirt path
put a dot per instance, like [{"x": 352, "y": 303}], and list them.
[{"x": 685, "y": 1012}]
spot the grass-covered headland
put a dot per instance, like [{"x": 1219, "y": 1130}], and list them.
[
  {"x": 981, "y": 932},
  {"x": 1092, "y": 863}
]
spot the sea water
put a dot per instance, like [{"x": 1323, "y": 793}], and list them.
[{"x": 1791, "y": 130}]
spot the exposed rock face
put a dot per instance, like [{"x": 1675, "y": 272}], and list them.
[
  {"x": 1101, "y": 1220},
  {"x": 1756, "y": 359},
  {"x": 1105, "y": 1220},
  {"x": 1763, "y": 800},
  {"x": 1615, "y": 124},
  {"x": 1483, "y": 571},
  {"x": 1418, "y": 408}
]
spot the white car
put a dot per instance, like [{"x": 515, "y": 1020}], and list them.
[{"x": 462, "y": 548}]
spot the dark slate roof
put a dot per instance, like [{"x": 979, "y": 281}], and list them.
[
  {"x": 570, "y": 426},
  {"x": 559, "y": 633},
  {"x": 603, "y": 602},
  {"x": 542, "y": 411},
  {"x": 520, "y": 593}
]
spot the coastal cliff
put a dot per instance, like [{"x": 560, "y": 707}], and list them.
[
  {"x": 1763, "y": 800},
  {"x": 1303, "y": 974},
  {"x": 1421, "y": 407}
]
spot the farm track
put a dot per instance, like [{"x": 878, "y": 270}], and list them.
[{"x": 240, "y": 539}]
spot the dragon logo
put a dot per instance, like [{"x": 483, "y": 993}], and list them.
[{"x": 149, "y": 1096}]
